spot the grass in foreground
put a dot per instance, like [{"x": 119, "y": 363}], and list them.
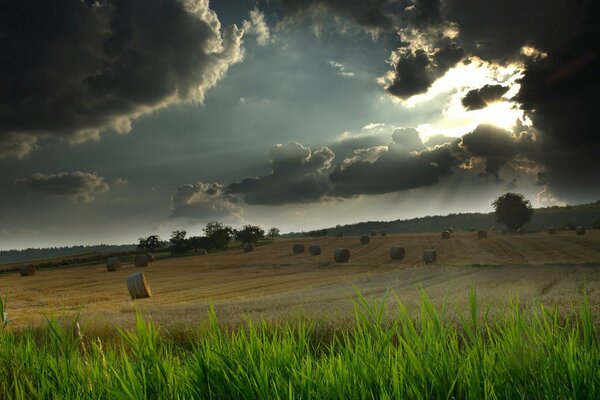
[{"x": 539, "y": 356}]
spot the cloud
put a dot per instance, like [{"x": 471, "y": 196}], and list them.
[
  {"x": 79, "y": 186},
  {"x": 438, "y": 140},
  {"x": 403, "y": 164},
  {"x": 341, "y": 69},
  {"x": 204, "y": 201},
  {"x": 72, "y": 70},
  {"x": 477, "y": 99},
  {"x": 416, "y": 69},
  {"x": 297, "y": 176},
  {"x": 257, "y": 26},
  {"x": 498, "y": 147}
]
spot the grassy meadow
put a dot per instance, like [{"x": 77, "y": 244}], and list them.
[{"x": 526, "y": 354}]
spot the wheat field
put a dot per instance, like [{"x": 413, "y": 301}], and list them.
[{"x": 272, "y": 283}]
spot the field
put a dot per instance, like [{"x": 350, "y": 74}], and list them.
[
  {"x": 287, "y": 326},
  {"x": 272, "y": 283}
]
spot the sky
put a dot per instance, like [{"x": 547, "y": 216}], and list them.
[{"x": 122, "y": 119}]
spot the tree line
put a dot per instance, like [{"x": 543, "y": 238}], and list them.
[{"x": 217, "y": 236}]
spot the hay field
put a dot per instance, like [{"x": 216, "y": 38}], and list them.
[{"x": 273, "y": 283}]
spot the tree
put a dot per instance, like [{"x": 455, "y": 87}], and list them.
[
  {"x": 513, "y": 210},
  {"x": 178, "y": 242},
  {"x": 150, "y": 243},
  {"x": 198, "y": 242},
  {"x": 273, "y": 232},
  {"x": 596, "y": 224},
  {"x": 218, "y": 234},
  {"x": 250, "y": 234}
]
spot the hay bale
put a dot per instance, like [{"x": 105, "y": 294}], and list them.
[
  {"x": 298, "y": 248},
  {"x": 552, "y": 230},
  {"x": 247, "y": 247},
  {"x": 113, "y": 264},
  {"x": 445, "y": 235},
  {"x": 383, "y": 233},
  {"x": 482, "y": 234},
  {"x": 141, "y": 260},
  {"x": 397, "y": 252},
  {"x": 520, "y": 231},
  {"x": 373, "y": 233},
  {"x": 472, "y": 229},
  {"x": 27, "y": 270},
  {"x": 138, "y": 286},
  {"x": 341, "y": 255},
  {"x": 151, "y": 257},
  {"x": 429, "y": 256},
  {"x": 314, "y": 249},
  {"x": 580, "y": 230},
  {"x": 202, "y": 252},
  {"x": 451, "y": 230},
  {"x": 364, "y": 239}
]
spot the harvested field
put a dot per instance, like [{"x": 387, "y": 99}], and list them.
[{"x": 273, "y": 283}]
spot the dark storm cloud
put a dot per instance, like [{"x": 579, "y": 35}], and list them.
[
  {"x": 415, "y": 70},
  {"x": 203, "y": 200},
  {"x": 560, "y": 94},
  {"x": 477, "y": 99},
  {"x": 300, "y": 175},
  {"x": 297, "y": 177},
  {"x": 398, "y": 167},
  {"x": 497, "y": 147},
  {"x": 497, "y": 30},
  {"x": 69, "y": 69},
  {"x": 80, "y": 186}
]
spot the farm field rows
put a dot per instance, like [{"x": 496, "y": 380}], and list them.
[{"x": 273, "y": 283}]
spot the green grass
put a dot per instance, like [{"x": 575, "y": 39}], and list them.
[{"x": 523, "y": 355}]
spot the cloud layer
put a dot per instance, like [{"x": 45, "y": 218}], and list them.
[
  {"x": 77, "y": 185},
  {"x": 71, "y": 70}
]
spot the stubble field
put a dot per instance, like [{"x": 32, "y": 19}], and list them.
[{"x": 272, "y": 283}]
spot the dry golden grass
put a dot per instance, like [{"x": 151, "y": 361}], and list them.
[{"x": 273, "y": 283}]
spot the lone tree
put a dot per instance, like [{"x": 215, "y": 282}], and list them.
[
  {"x": 513, "y": 210},
  {"x": 150, "y": 243}
]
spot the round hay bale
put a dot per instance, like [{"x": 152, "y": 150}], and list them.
[
  {"x": 482, "y": 234},
  {"x": 397, "y": 252},
  {"x": 113, "y": 264},
  {"x": 202, "y": 252},
  {"x": 151, "y": 257},
  {"x": 314, "y": 249},
  {"x": 27, "y": 270},
  {"x": 364, "y": 239},
  {"x": 298, "y": 248},
  {"x": 429, "y": 256},
  {"x": 383, "y": 233},
  {"x": 445, "y": 235},
  {"x": 520, "y": 231},
  {"x": 248, "y": 247},
  {"x": 451, "y": 230},
  {"x": 141, "y": 260},
  {"x": 138, "y": 286},
  {"x": 552, "y": 230},
  {"x": 373, "y": 233},
  {"x": 341, "y": 255},
  {"x": 580, "y": 230}
]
